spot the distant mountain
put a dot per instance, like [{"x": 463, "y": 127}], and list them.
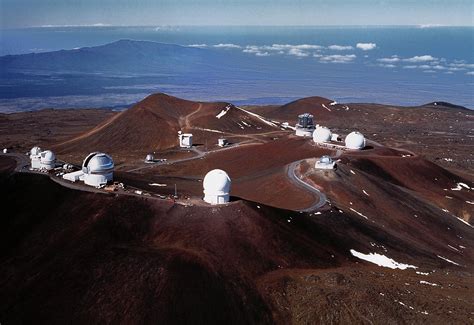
[{"x": 124, "y": 55}]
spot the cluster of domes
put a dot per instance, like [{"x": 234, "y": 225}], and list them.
[
  {"x": 42, "y": 160},
  {"x": 354, "y": 140}
]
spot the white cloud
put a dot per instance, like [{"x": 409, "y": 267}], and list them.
[
  {"x": 366, "y": 46},
  {"x": 388, "y": 66},
  {"x": 227, "y": 46},
  {"x": 470, "y": 73},
  {"x": 338, "y": 58},
  {"x": 297, "y": 52},
  {"x": 429, "y": 71},
  {"x": 340, "y": 47},
  {"x": 197, "y": 45},
  {"x": 430, "y": 25},
  {"x": 262, "y": 54},
  {"x": 392, "y": 59},
  {"x": 421, "y": 58},
  {"x": 410, "y": 67}
]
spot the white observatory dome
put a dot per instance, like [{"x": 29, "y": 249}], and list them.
[
  {"x": 98, "y": 163},
  {"x": 355, "y": 140},
  {"x": 149, "y": 158},
  {"x": 47, "y": 156},
  {"x": 35, "y": 151},
  {"x": 322, "y": 134},
  {"x": 47, "y": 160},
  {"x": 98, "y": 169},
  {"x": 216, "y": 187}
]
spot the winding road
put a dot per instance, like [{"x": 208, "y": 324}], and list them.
[{"x": 302, "y": 184}]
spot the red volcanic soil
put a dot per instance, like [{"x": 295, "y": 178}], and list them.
[
  {"x": 22, "y": 131},
  {"x": 442, "y": 133},
  {"x": 71, "y": 256},
  {"x": 153, "y": 124}
]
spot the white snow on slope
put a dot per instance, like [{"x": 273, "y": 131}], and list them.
[
  {"x": 381, "y": 260},
  {"x": 449, "y": 261},
  {"x": 326, "y": 107},
  {"x": 460, "y": 186},
  {"x": 358, "y": 213},
  {"x": 223, "y": 112},
  {"x": 429, "y": 283}
]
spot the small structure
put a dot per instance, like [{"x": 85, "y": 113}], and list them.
[
  {"x": 149, "y": 158},
  {"x": 305, "y": 126},
  {"x": 47, "y": 160},
  {"x": 216, "y": 187},
  {"x": 336, "y": 137},
  {"x": 185, "y": 140},
  {"x": 355, "y": 141},
  {"x": 98, "y": 169},
  {"x": 5, "y": 150},
  {"x": 325, "y": 162},
  {"x": 74, "y": 176},
  {"x": 35, "y": 157},
  {"x": 322, "y": 134},
  {"x": 221, "y": 142}
]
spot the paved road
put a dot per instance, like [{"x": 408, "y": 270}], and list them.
[{"x": 302, "y": 184}]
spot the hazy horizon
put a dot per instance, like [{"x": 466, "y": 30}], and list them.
[{"x": 30, "y": 13}]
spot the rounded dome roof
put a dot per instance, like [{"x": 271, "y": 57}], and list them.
[
  {"x": 325, "y": 159},
  {"x": 35, "y": 150},
  {"x": 47, "y": 156},
  {"x": 98, "y": 162},
  {"x": 216, "y": 182},
  {"x": 355, "y": 140},
  {"x": 149, "y": 157},
  {"x": 322, "y": 134}
]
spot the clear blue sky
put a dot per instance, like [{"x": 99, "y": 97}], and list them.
[{"x": 21, "y": 13}]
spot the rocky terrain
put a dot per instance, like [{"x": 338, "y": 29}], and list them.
[{"x": 392, "y": 241}]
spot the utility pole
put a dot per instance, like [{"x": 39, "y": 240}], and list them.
[{"x": 175, "y": 192}]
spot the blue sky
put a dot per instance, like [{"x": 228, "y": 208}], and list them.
[{"x": 25, "y": 13}]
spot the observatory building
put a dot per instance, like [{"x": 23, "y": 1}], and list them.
[
  {"x": 325, "y": 162},
  {"x": 149, "y": 159},
  {"x": 185, "y": 140},
  {"x": 35, "y": 156},
  {"x": 216, "y": 187},
  {"x": 355, "y": 141},
  {"x": 47, "y": 160},
  {"x": 305, "y": 125},
  {"x": 221, "y": 142},
  {"x": 322, "y": 134},
  {"x": 98, "y": 169}
]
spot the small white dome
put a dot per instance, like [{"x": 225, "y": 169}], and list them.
[
  {"x": 355, "y": 140},
  {"x": 325, "y": 160},
  {"x": 35, "y": 151},
  {"x": 149, "y": 157},
  {"x": 322, "y": 134},
  {"x": 216, "y": 182},
  {"x": 98, "y": 163},
  {"x": 48, "y": 156}
]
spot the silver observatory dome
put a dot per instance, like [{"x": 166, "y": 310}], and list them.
[{"x": 98, "y": 163}]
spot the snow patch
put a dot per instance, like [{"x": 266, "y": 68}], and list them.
[
  {"x": 157, "y": 184},
  {"x": 358, "y": 213},
  {"x": 449, "y": 261},
  {"x": 365, "y": 193},
  {"x": 469, "y": 202},
  {"x": 460, "y": 186},
  {"x": 352, "y": 172},
  {"x": 381, "y": 260},
  {"x": 422, "y": 273},
  {"x": 223, "y": 112},
  {"x": 429, "y": 283},
  {"x": 326, "y": 107}
]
